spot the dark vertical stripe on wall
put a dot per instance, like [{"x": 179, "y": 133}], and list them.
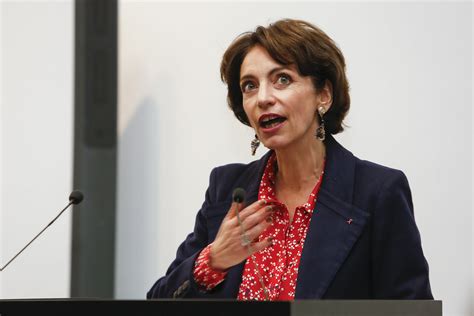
[{"x": 95, "y": 148}]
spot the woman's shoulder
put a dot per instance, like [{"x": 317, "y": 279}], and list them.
[
  {"x": 375, "y": 179},
  {"x": 246, "y": 171},
  {"x": 234, "y": 170},
  {"x": 367, "y": 173},
  {"x": 225, "y": 178},
  {"x": 374, "y": 170}
]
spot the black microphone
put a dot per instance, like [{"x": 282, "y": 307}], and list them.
[
  {"x": 75, "y": 197},
  {"x": 238, "y": 195}
]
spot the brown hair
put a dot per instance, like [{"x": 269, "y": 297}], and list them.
[{"x": 292, "y": 42}]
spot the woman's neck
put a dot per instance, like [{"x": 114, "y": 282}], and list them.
[{"x": 299, "y": 168}]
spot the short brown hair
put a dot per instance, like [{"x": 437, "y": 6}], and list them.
[{"x": 292, "y": 42}]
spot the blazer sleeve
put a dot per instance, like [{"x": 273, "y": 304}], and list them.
[
  {"x": 400, "y": 270},
  {"x": 178, "y": 281}
]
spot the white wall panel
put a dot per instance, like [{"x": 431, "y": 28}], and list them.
[
  {"x": 36, "y": 145},
  {"x": 410, "y": 71}
]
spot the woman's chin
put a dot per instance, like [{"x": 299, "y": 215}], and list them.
[
  {"x": 276, "y": 145},
  {"x": 285, "y": 143}
]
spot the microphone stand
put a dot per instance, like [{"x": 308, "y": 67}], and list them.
[{"x": 75, "y": 198}]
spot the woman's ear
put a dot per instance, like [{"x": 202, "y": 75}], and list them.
[{"x": 325, "y": 96}]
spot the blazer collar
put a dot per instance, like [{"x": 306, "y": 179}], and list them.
[
  {"x": 338, "y": 175},
  {"x": 254, "y": 184}
]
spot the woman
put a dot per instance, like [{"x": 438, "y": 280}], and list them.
[{"x": 318, "y": 222}]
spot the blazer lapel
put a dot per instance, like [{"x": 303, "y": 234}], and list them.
[
  {"x": 335, "y": 225},
  {"x": 254, "y": 184}
]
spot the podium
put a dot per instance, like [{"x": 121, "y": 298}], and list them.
[{"x": 220, "y": 307}]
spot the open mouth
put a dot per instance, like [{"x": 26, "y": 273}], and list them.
[{"x": 270, "y": 120}]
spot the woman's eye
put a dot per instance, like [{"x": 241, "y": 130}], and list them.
[
  {"x": 247, "y": 86},
  {"x": 284, "y": 79}
]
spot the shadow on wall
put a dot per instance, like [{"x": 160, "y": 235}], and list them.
[{"x": 137, "y": 203}]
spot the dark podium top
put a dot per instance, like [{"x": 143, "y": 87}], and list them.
[{"x": 220, "y": 307}]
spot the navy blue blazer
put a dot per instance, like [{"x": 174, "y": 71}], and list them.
[{"x": 362, "y": 243}]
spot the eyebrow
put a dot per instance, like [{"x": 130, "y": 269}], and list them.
[{"x": 270, "y": 73}]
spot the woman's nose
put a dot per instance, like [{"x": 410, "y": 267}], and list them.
[{"x": 265, "y": 96}]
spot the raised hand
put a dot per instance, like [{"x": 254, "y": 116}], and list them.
[{"x": 230, "y": 246}]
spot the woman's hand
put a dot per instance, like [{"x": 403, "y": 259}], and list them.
[{"x": 229, "y": 249}]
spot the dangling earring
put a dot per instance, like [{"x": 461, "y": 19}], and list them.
[
  {"x": 254, "y": 145},
  {"x": 320, "y": 131}
]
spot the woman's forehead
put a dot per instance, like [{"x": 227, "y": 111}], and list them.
[{"x": 259, "y": 61}]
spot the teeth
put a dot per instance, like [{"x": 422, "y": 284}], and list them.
[
  {"x": 272, "y": 124},
  {"x": 268, "y": 118}
]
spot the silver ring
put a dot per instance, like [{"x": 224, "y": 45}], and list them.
[{"x": 245, "y": 241}]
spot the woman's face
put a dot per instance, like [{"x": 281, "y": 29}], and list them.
[{"x": 280, "y": 104}]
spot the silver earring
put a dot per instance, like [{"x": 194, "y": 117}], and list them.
[
  {"x": 254, "y": 145},
  {"x": 320, "y": 131}
]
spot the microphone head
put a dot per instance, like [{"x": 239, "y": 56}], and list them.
[
  {"x": 238, "y": 195},
  {"x": 76, "y": 197}
]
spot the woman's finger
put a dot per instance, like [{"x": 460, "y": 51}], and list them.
[
  {"x": 252, "y": 208},
  {"x": 234, "y": 208},
  {"x": 260, "y": 245},
  {"x": 254, "y": 232},
  {"x": 259, "y": 216}
]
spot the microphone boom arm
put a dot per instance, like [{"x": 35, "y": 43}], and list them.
[{"x": 75, "y": 198}]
